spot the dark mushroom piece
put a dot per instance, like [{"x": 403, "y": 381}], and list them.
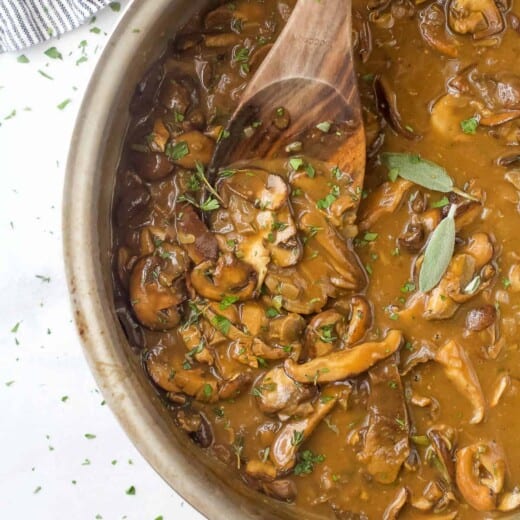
[
  {"x": 386, "y": 444},
  {"x": 289, "y": 439},
  {"x": 480, "y": 318},
  {"x": 277, "y": 392},
  {"x": 157, "y": 288},
  {"x": 481, "y": 18},
  {"x": 227, "y": 277},
  {"x": 394, "y": 508},
  {"x": 432, "y": 24},
  {"x": 151, "y": 166},
  {"x": 194, "y": 236},
  {"x": 386, "y": 100}
]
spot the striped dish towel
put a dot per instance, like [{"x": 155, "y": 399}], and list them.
[{"x": 26, "y": 22}]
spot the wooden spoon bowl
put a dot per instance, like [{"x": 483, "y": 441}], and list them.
[{"x": 304, "y": 92}]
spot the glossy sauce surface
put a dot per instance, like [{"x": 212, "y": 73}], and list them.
[{"x": 291, "y": 342}]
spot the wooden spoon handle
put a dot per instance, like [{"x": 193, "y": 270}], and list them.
[{"x": 315, "y": 44}]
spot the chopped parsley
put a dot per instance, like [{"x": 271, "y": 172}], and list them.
[
  {"x": 307, "y": 462},
  {"x": 469, "y": 126},
  {"x": 53, "y": 53},
  {"x": 177, "y": 151},
  {"x": 227, "y": 301},
  {"x": 221, "y": 323}
]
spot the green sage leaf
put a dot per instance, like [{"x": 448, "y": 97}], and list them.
[
  {"x": 439, "y": 252},
  {"x": 419, "y": 171}
]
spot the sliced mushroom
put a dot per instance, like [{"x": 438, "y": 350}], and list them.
[
  {"x": 199, "y": 149},
  {"x": 448, "y": 112},
  {"x": 288, "y": 440},
  {"x": 481, "y": 18},
  {"x": 500, "y": 386},
  {"x": 159, "y": 137},
  {"x": 432, "y": 24},
  {"x": 234, "y": 386},
  {"x": 285, "y": 329},
  {"x": 324, "y": 333},
  {"x": 480, "y": 472},
  {"x": 195, "y": 344},
  {"x": 194, "y": 236},
  {"x": 279, "y": 393},
  {"x": 227, "y": 277},
  {"x": 260, "y": 470},
  {"x": 221, "y": 39},
  {"x": 157, "y": 288},
  {"x": 413, "y": 238},
  {"x": 480, "y": 318},
  {"x": 360, "y": 319},
  {"x": 174, "y": 96},
  {"x": 253, "y": 318},
  {"x": 151, "y": 166},
  {"x": 394, "y": 508},
  {"x": 386, "y": 444},
  {"x": 459, "y": 370},
  {"x": 386, "y": 100},
  {"x": 509, "y": 501},
  {"x": 263, "y": 189},
  {"x": 443, "y": 301},
  {"x": 281, "y": 489},
  {"x": 195, "y": 382},
  {"x": 339, "y": 365},
  {"x": 442, "y": 445},
  {"x": 385, "y": 199}
]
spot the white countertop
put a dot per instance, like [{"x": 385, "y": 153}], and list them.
[{"x": 62, "y": 453}]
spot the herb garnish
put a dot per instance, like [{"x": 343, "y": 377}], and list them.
[
  {"x": 307, "y": 462},
  {"x": 469, "y": 126},
  {"x": 438, "y": 252}
]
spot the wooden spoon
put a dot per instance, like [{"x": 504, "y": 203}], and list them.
[{"x": 307, "y": 79}]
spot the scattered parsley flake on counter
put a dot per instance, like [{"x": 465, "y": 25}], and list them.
[
  {"x": 89, "y": 436},
  {"x": 10, "y": 116},
  {"x": 160, "y": 517},
  {"x": 43, "y": 279},
  {"x": 95, "y": 30},
  {"x": 45, "y": 75},
  {"x": 65, "y": 398},
  {"x": 64, "y": 103},
  {"x": 86, "y": 462},
  {"x": 83, "y": 59},
  {"x": 9, "y": 383},
  {"x": 115, "y": 6},
  {"x": 130, "y": 490},
  {"x": 22, "y": 59},
  {"x": 469, "y": 126},
  {"x": 14, "y": 330},
  {"x": 53, "y": 53},
  {"x": 37, "y": 490}
]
